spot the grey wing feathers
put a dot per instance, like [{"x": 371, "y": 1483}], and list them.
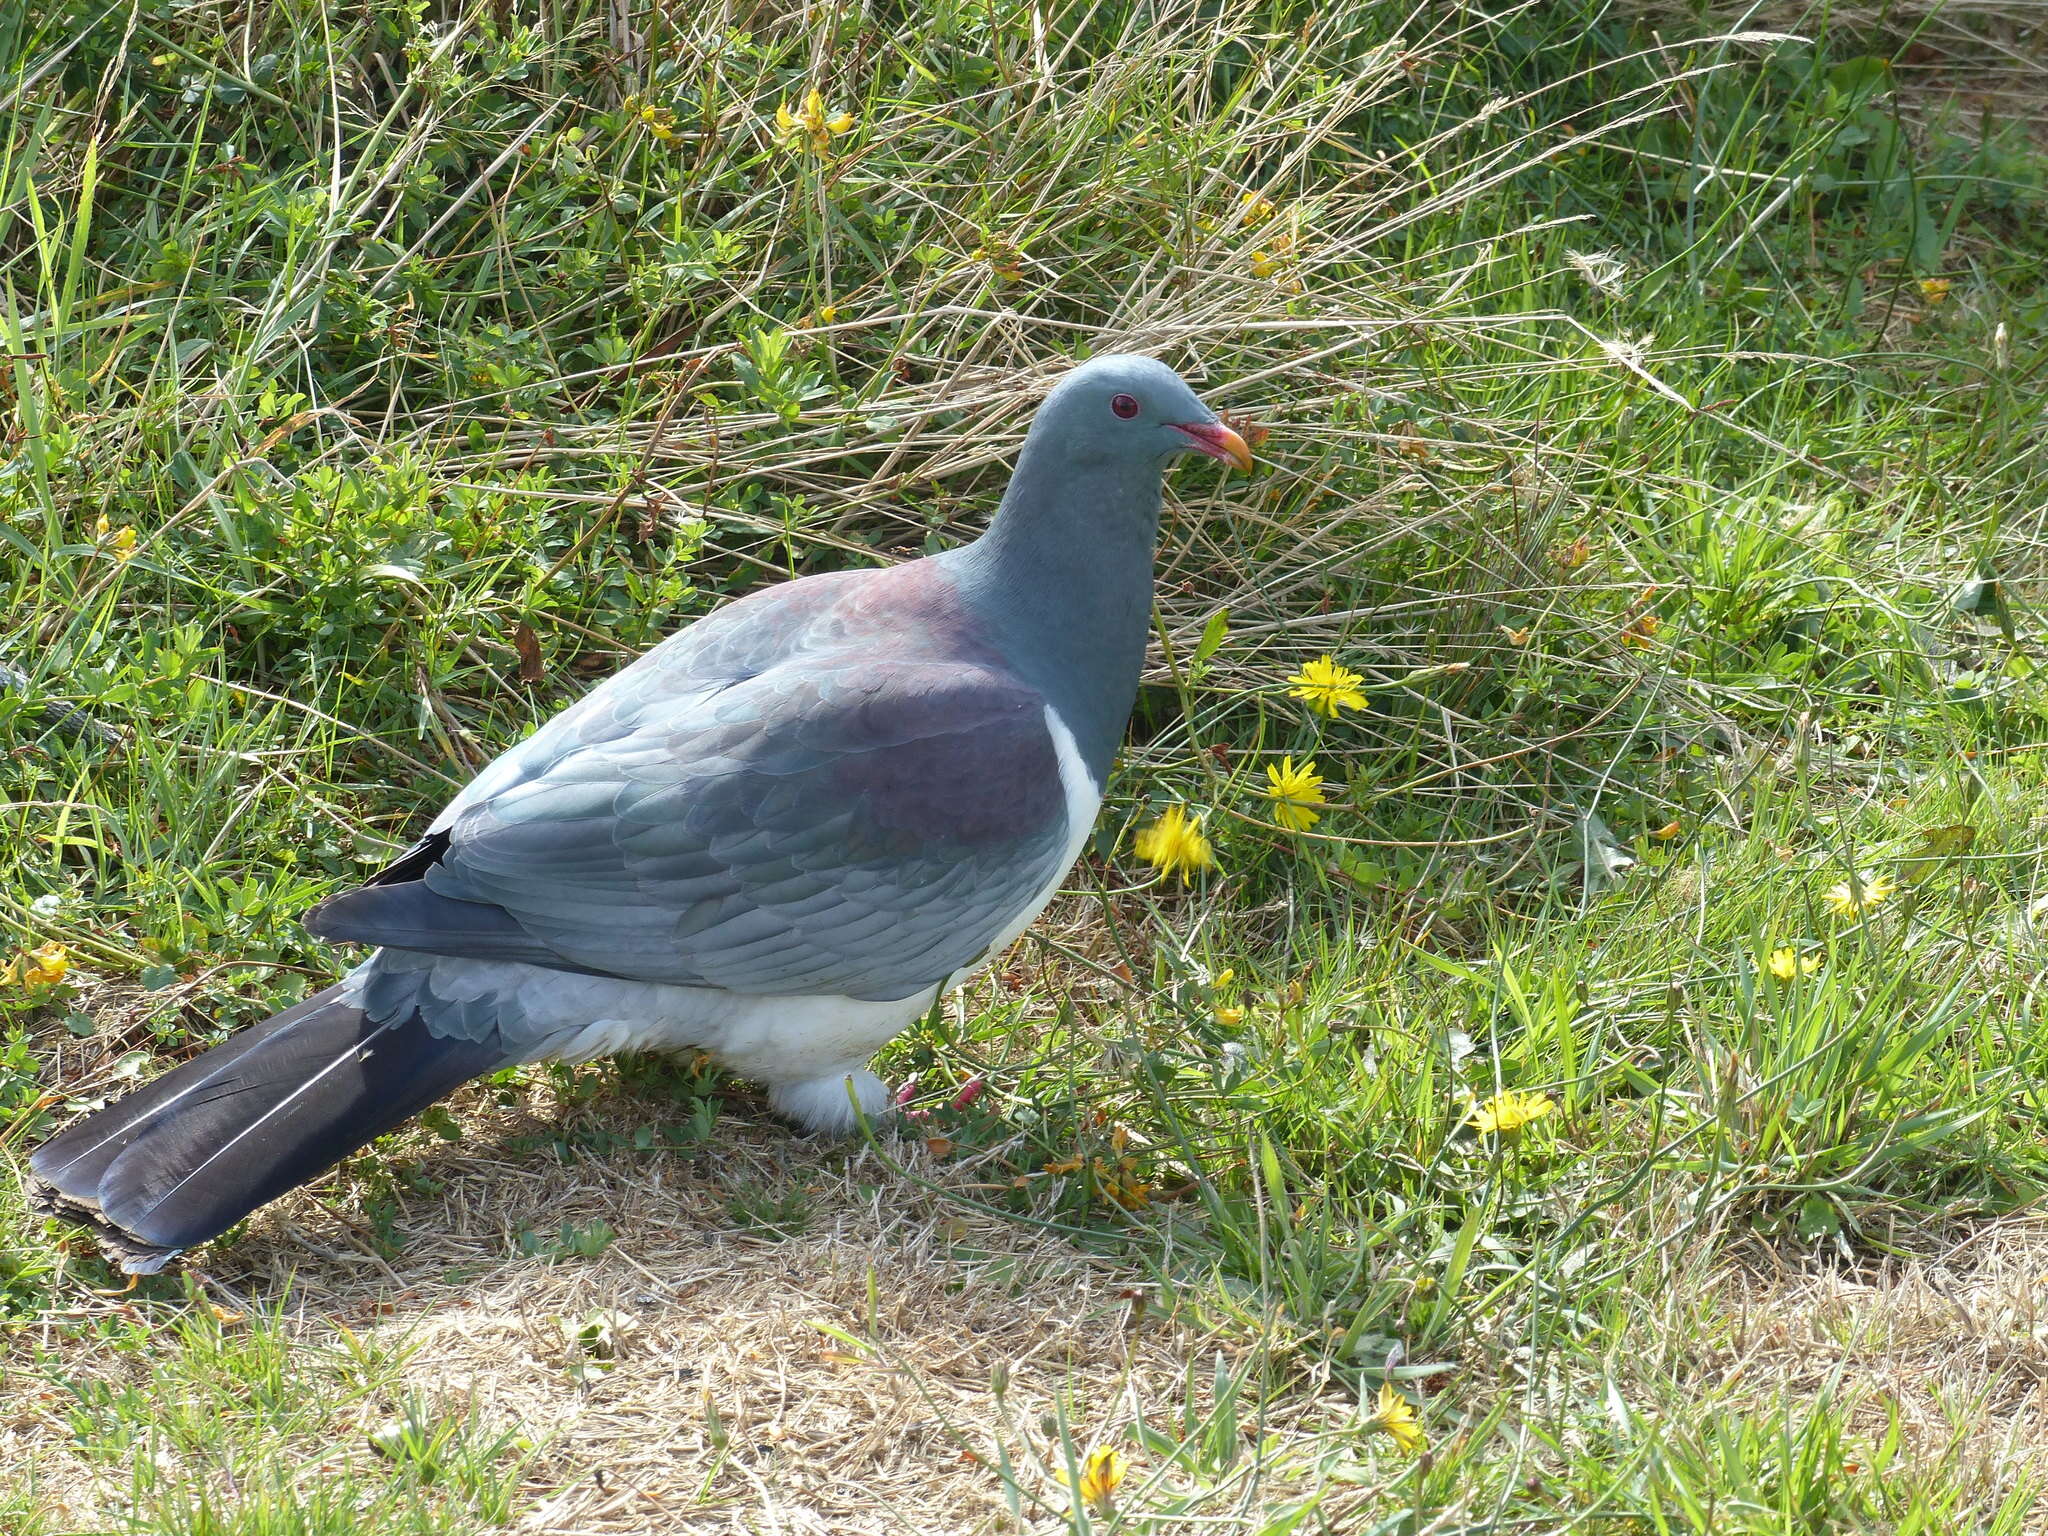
[{"x": 853, "y": 826}]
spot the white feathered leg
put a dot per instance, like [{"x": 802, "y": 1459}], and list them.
[{"x": 827, "y": 1103}]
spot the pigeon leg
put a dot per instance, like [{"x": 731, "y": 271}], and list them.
[{"x": 826, "y": 1102}]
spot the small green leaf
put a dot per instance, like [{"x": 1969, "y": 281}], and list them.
[
  {"x": 1214, "y": 633},
  {"x": 1944, "y": 842},
  {"x": 1937, "y": 845},
  {"x": 1984, "y": 596},
  {"x": 441, "y": 1123},
  {"x": 1818, "y": 1219}
]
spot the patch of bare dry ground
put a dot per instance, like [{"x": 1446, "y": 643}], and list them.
[
  {"x": 894, "y": 1360},
  {"x": 842, "y": 1379},
  {"x": 1946, "y": 1350}
]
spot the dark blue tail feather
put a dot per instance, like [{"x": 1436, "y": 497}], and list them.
[{"x": 185, "y": 1157}]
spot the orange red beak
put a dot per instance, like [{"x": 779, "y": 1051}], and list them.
[{"x": 1217, "y": 441}]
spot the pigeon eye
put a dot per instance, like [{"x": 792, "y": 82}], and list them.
[{"x": 1125, "y": 406}]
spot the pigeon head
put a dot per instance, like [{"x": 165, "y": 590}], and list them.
[
  {"x": 1061, "y": 583},
  {"x": 1123, "y": 410}
]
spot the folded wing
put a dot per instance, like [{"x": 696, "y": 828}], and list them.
[{"x": 852, "y": 825}]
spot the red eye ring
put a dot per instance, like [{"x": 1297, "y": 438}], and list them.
[{"x": 1125, "y": 406}]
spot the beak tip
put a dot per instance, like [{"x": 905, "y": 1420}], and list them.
[
  {"x": 1236, "y": 451},
  {"x": 1218, "y": 441}
]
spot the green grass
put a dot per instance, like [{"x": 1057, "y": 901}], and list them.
[{"x": 1654, "y": 423}]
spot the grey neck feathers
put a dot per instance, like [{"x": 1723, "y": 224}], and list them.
[{"x": 1063, "y": 580}]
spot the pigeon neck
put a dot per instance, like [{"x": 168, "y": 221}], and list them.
[{"x": 1064, "y": 579}]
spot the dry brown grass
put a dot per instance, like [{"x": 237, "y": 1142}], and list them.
[
  {"x": 1950, "y": 1345},
  {"x": 727, "y": 1408}
]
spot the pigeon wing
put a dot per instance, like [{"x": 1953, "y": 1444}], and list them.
[{"x": 850, "y": 824}]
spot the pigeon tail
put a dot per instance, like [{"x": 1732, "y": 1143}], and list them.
[{"x": 191, "y": 1153}]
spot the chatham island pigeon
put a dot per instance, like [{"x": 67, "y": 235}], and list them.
[{"x": 778, "y": 837}]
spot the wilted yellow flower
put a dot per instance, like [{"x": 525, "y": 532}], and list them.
[
  {"x": 658, "y": 121},
  {"x": 1257, "y": 209},
  {"x": 1230, "y": 1018},
  {"x": 1282, "y": 249},
  {"x": 1175, "y": 844},
  {"x": 1934, "y": 289},
  {"x": 1327, "y": 686},
  {"x": 1641, "y": 630},
  {"x": 43, "y": 966},
  {"x": 1665, "y": 833},
  {"x": 1507, "y": 1112},
  {"x": 1786, "y": 963},
  {"x": 811, "y": 128},
  {"x": 120, "y": 542},
  {"x": 1394, "y": 1416},
  {"x": 1003, "y": 256},
  {"x": 1119, "y": 1183},
  {"x": 1102, "y": 1472},
  {"x": 1859, "y": 893},
  {"x": 1276, "y": 258},
  {"x": 1293, "y": 792}
]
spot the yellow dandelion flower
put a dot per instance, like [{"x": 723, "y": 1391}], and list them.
[
  {"x": 1394, "y": 1416},
  {"x": 1507, "y": 1112},
  {"x": 811, "y": 127},
  {"x": 1102, "y": 1472},
  {"x": 1935, "y": 289},
  {"x": 1859, "y": 893},
  {"x": 1175, "y": 844},
  {"x": 1294, "y": 792},
  {"x": 1327, "y": 686},
  {"x": 1786, "y": 963}
]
